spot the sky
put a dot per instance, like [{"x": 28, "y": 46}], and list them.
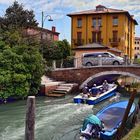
[{"x": 58, "y": 10}]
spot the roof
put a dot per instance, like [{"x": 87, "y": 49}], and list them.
[
  {"x": 137, "y": 38},
  {"x": 91, "y": 46},
  {"x": 100, "y": 9},
  {"x": 44, "y": 30},
  {"x": 115, "y": 50}
]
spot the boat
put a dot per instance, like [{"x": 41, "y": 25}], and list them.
[
  {"x": 112, "y": 116},
  {"x": 96, "y": 99}
]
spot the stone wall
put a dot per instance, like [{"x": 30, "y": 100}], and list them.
[{"x": 79, "y": 75}]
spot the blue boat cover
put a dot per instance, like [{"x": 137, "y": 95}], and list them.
[{"x": 112, "y": 117}]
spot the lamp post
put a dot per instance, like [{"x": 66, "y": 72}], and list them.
[
  {"x": 44, "y": 18},
  {"x": 42, "y": 25}
]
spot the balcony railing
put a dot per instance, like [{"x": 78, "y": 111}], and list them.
[
  {"x": 100, "y": 41},
  {"x": 78, "y": 42},
  {"x": 114, "y": 40}
]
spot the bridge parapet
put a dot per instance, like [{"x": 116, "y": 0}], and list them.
[
  {"x": 78, "y": 63},
  {"x": 80, "y": 75}
]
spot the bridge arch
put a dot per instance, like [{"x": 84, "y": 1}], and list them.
[{"x": 108, "y": 73}]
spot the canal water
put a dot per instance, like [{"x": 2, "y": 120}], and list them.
[{"x": 56, "y": 119}]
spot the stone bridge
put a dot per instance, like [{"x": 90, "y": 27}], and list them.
[{"x": 87, "y": 74}]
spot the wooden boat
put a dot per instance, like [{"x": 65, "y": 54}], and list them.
[
  {"x": 94, "y": 100},
  {"x": 112, "y": 116}
]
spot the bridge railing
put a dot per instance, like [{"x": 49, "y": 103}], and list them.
[{"x": 78, "y": 63}]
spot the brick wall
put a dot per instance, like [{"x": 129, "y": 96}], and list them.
[{"x": 81, "y": 74}]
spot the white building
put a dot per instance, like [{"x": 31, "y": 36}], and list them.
[{"x": 137, "y": 47}]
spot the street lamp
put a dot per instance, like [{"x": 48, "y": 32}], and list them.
[
  {"x": 44, "y": 18},
  {"x": 42, "y": 25}
]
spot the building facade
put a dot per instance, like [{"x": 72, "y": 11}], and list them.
[
  {"x": 42, "y": 33},
  {"x": 110, "y": 27},
  {"x": 137, "y": 47}
]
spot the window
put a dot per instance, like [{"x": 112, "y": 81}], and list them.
[
  {"x": 79, "y": 22},
  {"x": 79, "y": 38},
  {"x": 96, "y": 37},
  {"x": 135, "y": 48},
  {"x": 138, "y": 42},
  {"x": 99, "y": 37},
  {"x": 105, "y": 55},
  {"x": 115, "y": 36},
  {"x": 79, "y": 35},
  {"x": 93, "y": 36},
  {"x": 135, "y": 42},
  {"x": 90, "y": 55},
  {"x": 94, "y": 22},
  {"x": 115, "y": 21},
  {"x": 99, "y": 22}
]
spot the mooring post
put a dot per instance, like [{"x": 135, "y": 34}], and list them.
[
  {"x": 125, "y": 117},
  {"x": 30, "y": 118}
]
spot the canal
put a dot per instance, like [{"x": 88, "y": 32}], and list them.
[{"x": 56, "y": 119}]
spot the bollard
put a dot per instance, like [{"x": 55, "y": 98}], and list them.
[
  {"x": 54, "y": 64},
  {"x": 30, "y": 119},
  {"x": 76, "y": 62},
  {"x": 99, "y": 60}
]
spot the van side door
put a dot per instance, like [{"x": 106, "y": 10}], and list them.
[{"x": 107, "y": 59}]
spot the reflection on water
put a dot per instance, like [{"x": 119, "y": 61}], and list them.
[{"x": 56, "y": 119}]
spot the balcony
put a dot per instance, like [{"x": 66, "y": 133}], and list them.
[
  {"x": 114, "y": 41},
  {"x": 78, "y": 42},
  {"x": 99, "y": 41}
]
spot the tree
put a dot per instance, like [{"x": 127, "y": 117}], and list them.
[
  {"x": 56, "y": 50},
  {"x": 21, "y": 68},
  {"x": 65, "y": 48},
  {"x": 17, "y": 17},
  {"x": 21, "y": 64}
]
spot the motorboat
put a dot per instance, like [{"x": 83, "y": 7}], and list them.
[
  {"x": 111, "y": 116},
  {"x": 92, "y": 100}
]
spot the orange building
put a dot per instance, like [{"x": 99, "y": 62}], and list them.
[
  {"x": 42, "y": 33},
  {"x": 110, "y": 27},
  {"x": 137, "y": 47}
]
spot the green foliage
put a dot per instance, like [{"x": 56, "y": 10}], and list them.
[
  {"x": 137, "y": 61},
  {"x": 21, "y": 68},
  {"x": 65, "y": 48},
  {"x": 21, "y": 64},
  {"x": 17, "y": 17},
  {"x": 134, "y": 134},
  {"x": 55, "y": 50}
]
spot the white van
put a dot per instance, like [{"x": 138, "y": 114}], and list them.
[{"x": 107, "y": 58}]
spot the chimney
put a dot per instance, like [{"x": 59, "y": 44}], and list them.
[
  {"x": 100, "y": 8},
  {"x": 53, "y": 29}
]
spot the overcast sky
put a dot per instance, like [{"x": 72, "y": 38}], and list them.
[{"x": 58, "y": 9}]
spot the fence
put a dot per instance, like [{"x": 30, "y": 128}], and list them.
[{"x": 80, "y": 62}]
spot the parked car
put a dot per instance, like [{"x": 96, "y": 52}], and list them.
[{"x": 105, "y": 58}]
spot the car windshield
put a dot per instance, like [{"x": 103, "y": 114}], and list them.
[{"x": 112, "y": 55}]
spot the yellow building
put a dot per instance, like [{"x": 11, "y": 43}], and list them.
[{"x": 109, "y": 27}]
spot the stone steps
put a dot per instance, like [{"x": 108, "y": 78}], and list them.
[{"x": 63, "y": 89}]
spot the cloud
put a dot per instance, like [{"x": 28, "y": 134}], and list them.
[
  {"x": 63, "y": 6},
  {"x": 6, "y": 2}
]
